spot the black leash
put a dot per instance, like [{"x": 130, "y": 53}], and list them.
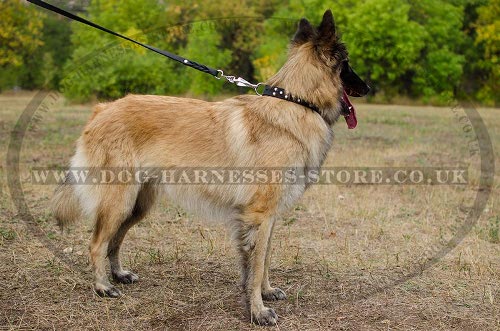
[
  {"x": 172, "y": 56},
  {"x": 268, "y": 90}
]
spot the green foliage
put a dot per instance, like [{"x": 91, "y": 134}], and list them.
[
  {"x": 237, "y": 31},
  {"x": 440, "y": 64},
  {"x": 107, "y": 67},
  {"x": 44, "y": 69},
  {"x": 7, "y": 234},
  {"x": 20, "y": 31},
  {"x": 494, "y": 229},
  {"x": 20, "y": 37},
  {"x": 427, "y": 49},
  {"x": 384, "y": 44},
  {"x": 488, "y": 35},
  {"x": 204, "y": 46},
  {"x": 270, "y": 55},
  {"x": 399, "y": 46},
  {"x": 55, "y": 51}
]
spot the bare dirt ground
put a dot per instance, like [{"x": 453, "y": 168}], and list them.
[{"x": 342, "y": 255}]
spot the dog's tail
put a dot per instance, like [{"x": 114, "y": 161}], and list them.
[{"x": 65, "y": 204}]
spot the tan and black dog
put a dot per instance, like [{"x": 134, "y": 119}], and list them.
[{"x": 145, "y": 131}]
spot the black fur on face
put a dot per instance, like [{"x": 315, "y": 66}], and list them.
[{"x": 354, "y": 86}]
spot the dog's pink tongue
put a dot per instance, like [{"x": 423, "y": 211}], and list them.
[{"x": 351, "y": 119}]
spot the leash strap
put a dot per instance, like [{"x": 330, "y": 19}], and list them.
[{"x": 172, "y": 56}]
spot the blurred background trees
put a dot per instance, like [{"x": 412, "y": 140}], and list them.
[
  {"x": 21, "y": 37},
  {"x": 430, "y": 50}
]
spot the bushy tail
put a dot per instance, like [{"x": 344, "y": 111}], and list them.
[{"x": 65, "y": 205}]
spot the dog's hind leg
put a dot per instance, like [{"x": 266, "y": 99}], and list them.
[
  {"x": 270, "y": 293},
  {"x": 145, "y": 200},
  {"x": 115, "y": 207}
]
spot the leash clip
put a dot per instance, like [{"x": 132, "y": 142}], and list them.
[{"x": 239, "y": 81}]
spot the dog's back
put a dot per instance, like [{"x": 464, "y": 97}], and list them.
[{"x": 139, "y": 132}]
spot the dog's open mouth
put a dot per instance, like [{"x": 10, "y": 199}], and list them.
[{"x": 348, "y": 111}]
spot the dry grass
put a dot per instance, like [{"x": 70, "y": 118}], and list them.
[{"x": 341, "y": 255}]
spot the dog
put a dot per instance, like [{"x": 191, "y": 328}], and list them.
[{"x": 145, "y": 131}]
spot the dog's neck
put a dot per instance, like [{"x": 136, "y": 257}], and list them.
[{"x": 301, "y": 78}]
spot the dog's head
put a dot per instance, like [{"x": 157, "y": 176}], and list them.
[{"x": 334, "y": 72}]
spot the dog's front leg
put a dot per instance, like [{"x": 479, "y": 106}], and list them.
[{"x": 253, "y": 240}]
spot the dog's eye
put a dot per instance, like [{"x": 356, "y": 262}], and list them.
[
  {"x": 342, "y": 65},
  {"x": 338, "y": 66}
]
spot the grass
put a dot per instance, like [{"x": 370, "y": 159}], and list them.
[{"x": 339, "y": 254}]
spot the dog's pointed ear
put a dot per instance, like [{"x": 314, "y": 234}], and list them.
[
  {"x": 327, "y": 27},
  {"x": 304, "y": 33}
]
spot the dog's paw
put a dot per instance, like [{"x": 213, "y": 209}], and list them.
[
  {"x": 109, "y": 291},
  {"x": 125, "y": 277},
  {"x": 265, "y": 317},
  {"x": 273, "y": 294}
]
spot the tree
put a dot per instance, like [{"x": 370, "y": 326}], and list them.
[
  {"x": 439, "y": 69},
  {"x": 384, "y": 44},
  {"x": 108, "y": 67},
  {"x": 471, "y": 79},
  {"x": 20, "y": 36},
  {"x": 20, "y": 32},
  {"x": 430, "y": 49},
  {"x": 205, "y": 45},
  {"x": 44, "y": 68},
  {"x": 239, "y": 28},
  {"x": 488, "y": 35}
]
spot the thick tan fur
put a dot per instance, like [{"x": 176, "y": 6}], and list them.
[
  {"x": 65, "y": 205},
  {"x": 141, "y": 131}
]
